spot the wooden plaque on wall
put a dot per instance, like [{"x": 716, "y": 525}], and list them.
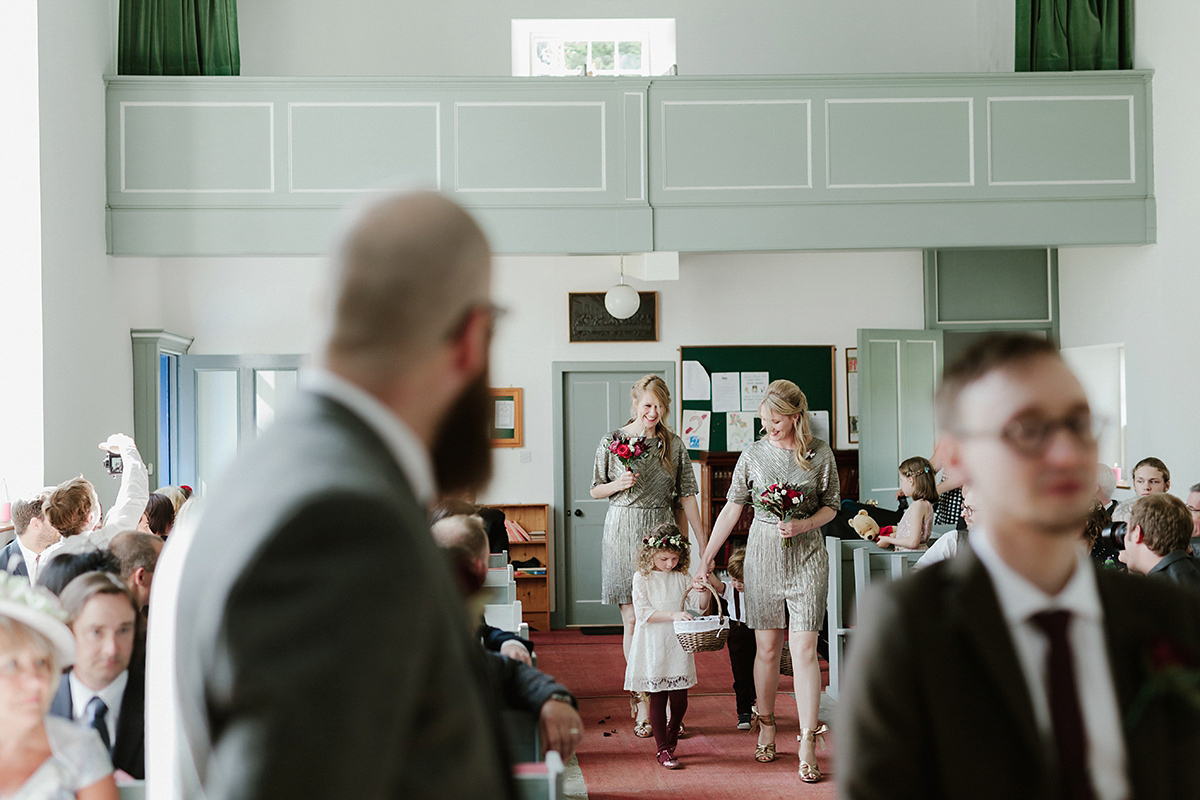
[{"x": 591, "y": 322}]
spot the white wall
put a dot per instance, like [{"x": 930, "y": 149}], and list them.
[
  {"x": 754, "y": 298},
  {"x": 87, "y": 353},
  {"x": 713, "y": 37},
  {"x": 1149, "y": 297},
  {"x": 21, "y": 456}
]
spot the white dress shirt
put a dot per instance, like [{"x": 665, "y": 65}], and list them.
[
  {"x": 111, "y": 695},
  {"x": 33, "y": 561},
  {"x": 1020, "y": 600},
  {"x": 403, "y": 444}
]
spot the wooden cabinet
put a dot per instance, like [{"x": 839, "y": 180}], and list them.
[
  {"x": 716, "y": 473},
  {"x": 534, "y": 591}
]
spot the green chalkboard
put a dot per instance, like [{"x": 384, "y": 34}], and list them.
[{"x": 811, "y": 367}]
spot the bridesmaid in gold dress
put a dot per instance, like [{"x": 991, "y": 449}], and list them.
[{"x": 795, "y": 578}]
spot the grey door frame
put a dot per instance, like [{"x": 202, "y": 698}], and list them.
[{"x": 558, "y": 371}]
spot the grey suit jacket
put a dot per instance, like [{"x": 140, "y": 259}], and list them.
[
  {"x": 934, "y": 703},
  {"x": 321, "y": 646}
]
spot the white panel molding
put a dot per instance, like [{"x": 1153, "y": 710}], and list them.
[
  {"x": 1060, "y": 99},
  {"x": 970, "y": 101},
  {"x": 270, "y": 106},
  {"x": 808, "y": 144},
  {"x": 437, "y": 125},
  {"x": 937, "y": 314},
  {"x": 641, "y": 145},
  {"x": 603, "y": 187}
]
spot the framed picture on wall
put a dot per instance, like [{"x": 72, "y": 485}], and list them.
[
  {"x": 506, "y": 418},
  {"x": 852, "y": 394}
]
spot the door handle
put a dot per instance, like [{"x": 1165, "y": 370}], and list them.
[{"x": 578, "y": 513}]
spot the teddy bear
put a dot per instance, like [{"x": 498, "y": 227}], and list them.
[{"x": 864, "y": 526}]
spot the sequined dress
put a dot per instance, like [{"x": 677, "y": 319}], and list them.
[
  {"x": 634, "y": 511},
  {"x": 795, "y": 577}
]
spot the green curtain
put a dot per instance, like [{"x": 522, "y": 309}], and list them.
[
  {"x": 178, "y": 37},
  {"x": 1062, "y": 35}
]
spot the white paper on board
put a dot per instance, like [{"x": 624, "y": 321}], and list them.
[
  {"x": 696, "y": 426},
  {"x": 739, "y": 430},
  {"x": 754, "y": 389},
  {"x": 726, "y": 391},
  {"x": 696, "y": 385},
  {"x": 818, "y": 422},
  {"x": 506, "y": 414}
]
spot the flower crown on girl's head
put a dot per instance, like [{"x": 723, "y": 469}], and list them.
[{"x": 668, "y": 540}]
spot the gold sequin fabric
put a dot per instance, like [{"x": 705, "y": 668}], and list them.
[
  {"x": 795, "y": 577},
  {"x": 634, "y": 511}
]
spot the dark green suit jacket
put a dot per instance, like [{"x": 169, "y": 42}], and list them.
[{"x": 934, "y": 703}]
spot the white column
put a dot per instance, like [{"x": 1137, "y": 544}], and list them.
[{"x": 22, "y": 455}]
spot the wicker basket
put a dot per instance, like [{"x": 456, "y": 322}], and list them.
[
  {"x": 785, "y": 661},
  {"x": 705, "y": 633}
]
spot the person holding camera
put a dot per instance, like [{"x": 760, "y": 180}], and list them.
[
  {"x": 1157, "y": 539},
  {"x": 73, "y": 507}
]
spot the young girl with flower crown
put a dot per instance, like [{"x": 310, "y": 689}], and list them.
[
  {"x": 657, "y": 664},
  {"x": 917, "y": 482}
]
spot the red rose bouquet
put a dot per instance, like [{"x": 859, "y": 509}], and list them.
[
  {"x": 783, "y": 501},
  {"x": 629, "y": 450}
]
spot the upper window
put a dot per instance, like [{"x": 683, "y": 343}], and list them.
[{"x": 593, "y": 46}]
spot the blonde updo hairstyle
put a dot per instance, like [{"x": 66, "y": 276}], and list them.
[
  {"x": 662, "y": 431},
  {"x": 69, "y": 507},
  {"x": 786, "y": 399}
]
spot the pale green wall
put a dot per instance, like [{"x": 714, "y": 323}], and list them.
[{"x": 713, "y": 37}]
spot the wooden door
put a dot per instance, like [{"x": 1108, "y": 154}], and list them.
[
  {"x": 898, "y": 373},
  {"x": 591, "y": 399}
]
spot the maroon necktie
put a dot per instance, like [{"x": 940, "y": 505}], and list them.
[{"x": 1070, "y": 741}]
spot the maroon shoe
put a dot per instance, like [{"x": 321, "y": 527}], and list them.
[{"x": 668, "y": 760}]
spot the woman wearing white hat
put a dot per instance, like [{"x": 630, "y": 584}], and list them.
[{"x": 42, "y": 757}]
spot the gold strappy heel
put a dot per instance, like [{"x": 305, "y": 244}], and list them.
[
  {"x": 642, "y": 729},
  {"x": 811, "y": 773},
  {"x": 763, "y": 753}
]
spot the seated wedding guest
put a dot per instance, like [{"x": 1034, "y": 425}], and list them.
[
  {"x": 948, "y": 544},
  {"x": 493, "y": 519},
  {"x": 1157, "y": 540},
  {"x": 159, "y": 515},
  {"x": 66, "y": 567},
  {"x": 175, "y": 494},
  {"x": 520, "y": 685},
  {"x": 137, "y": 553},
  {"x": 105, "y": 689},
  {"x": 97, "y": 529},
  {"x": 42, "y": 756},
  {"x": 1150, "y": 476},
  {"x": 24, "y": 555}
]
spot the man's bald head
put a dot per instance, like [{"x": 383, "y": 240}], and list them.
[{"x": 408, "y": 272}]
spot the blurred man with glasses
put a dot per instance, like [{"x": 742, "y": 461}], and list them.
[{"x": 1020, "y": 659}]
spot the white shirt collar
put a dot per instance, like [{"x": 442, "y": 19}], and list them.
[
  {"x": 400, "y": 440},
  {"x": 111, "y": 695},
  {"x": 33, "y": 563},
  {"x": 1020, "y": 599}
]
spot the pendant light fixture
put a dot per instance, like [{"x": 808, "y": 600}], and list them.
[{"x": 622, "y": 300}]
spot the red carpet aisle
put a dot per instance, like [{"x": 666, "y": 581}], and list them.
[{"x": 718, "y": 759}]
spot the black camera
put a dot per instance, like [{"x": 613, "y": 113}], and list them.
[
  {"x": 114, "y": 464},
  {"x": 1114, "y": 536}
]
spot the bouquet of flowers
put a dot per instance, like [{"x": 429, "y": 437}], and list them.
[
  {"x": 783, "y": 501},
  {"x": 629, "y": 450}
]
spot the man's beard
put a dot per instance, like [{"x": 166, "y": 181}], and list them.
[{"x": 462, "y": 448}]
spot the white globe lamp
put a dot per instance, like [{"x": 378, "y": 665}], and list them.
[{"x": 622, "y": 300}]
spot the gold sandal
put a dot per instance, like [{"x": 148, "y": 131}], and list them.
[
  {"x": 811, "y": 773},
  {"x": 642, "y": 729},
  {"x": 763, "y": 753}
]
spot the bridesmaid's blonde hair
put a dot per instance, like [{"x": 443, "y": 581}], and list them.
[
  {"x": 786, "y": 399},
  {"x": 662, "y": 431}
]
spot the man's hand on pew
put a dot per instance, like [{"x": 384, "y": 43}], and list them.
[{"x": 561, "y": 727}]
